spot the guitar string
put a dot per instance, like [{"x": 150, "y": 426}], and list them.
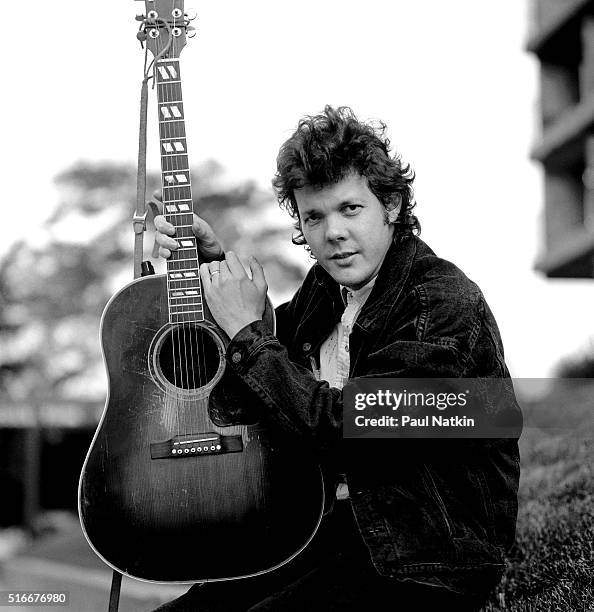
[
  {"x": 169, "y": 95},
  {"x": 193, "y": 334},
  {"x": 186, "y": 330},
  {"x": 171, "y": 266},
  {"x": 176, "y": 94},
  {"x": 189, "y": 330},
  {"x": 187, "y": 325}
]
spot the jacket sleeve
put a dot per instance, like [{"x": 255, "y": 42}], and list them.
[{"x": 295, "y": 401}]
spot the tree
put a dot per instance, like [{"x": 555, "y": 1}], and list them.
[{"x": 53, "y": 291}]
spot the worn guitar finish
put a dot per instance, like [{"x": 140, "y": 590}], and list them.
[{"x": 181, "y": 483}]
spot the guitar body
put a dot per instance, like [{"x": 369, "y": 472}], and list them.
[{"x": 170, "y": 491}]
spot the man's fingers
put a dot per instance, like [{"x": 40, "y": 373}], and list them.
[
  {"x": 204, "y": 233},
  {"x": 258, "y": 277},
  {"x": 163, "y": 226},
  {"x": 158, "y": 196},
  {"x": 234, "y": 264},
  {"x": 166, "y": 242},
  {"x": 205, "y": 277}
]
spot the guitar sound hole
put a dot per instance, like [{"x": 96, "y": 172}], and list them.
[{"x": 188, "y": 357}]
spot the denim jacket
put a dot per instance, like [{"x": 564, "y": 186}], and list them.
[{"x": 425, "y": 508}]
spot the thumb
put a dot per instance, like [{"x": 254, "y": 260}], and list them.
[{"x": 258, "y": 277}]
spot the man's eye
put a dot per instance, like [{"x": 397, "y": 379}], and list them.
[
  {"x": 351, "y": 208},
  {"x": 312, "y": 219}
]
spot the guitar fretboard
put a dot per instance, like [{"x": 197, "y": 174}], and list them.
[{"x": 184, "y": 290}]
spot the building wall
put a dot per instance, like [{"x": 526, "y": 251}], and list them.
[{"x": 562, "y": 38}]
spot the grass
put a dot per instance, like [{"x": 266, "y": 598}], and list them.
[{"x": 551, "y": 565}]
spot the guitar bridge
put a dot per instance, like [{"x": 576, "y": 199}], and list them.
[{"x": 195, "y": 445}]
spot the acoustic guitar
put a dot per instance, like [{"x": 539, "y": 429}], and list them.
[{"x": 180, "y": 484}]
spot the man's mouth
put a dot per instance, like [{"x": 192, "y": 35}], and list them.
[{"x": 344, "y": 255}]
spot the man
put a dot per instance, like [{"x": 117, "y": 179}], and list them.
[{"x": 413, "y": 524}]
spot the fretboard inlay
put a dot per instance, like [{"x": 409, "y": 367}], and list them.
[{"x": 184, "y": 290}]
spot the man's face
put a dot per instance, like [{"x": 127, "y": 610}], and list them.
[{"x": 344, "y": 225}]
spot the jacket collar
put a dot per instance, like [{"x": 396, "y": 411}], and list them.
[{"x": 390, "y": 280}]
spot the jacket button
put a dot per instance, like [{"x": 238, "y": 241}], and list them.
[
  {"x": 306, "y": 347},
  {"x": 236, "y": 357}
]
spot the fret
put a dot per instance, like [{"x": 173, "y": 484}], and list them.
[
  {"x": 192, "y": 283},
  {"x": 172, "y": 296},
  {"x": 181, "y": 232},
  {"x": 188, "y": 317},
  {"x": 186, "y": 196},
  {"x": 185, "y": 280},
  {"x": 175, "y": 170},
  {"x": 172, "y": 130},
  {"x": 184, "y": 231},
  {"x": 185, "y": 293},
  {"x": 185, "y": 270},
  {"x": 183, "y": 157},
  {"x": 173, "y": 208},
  {"x": 173, "y": 162},
  {"x": 174, "y": 145},
  {"x": 185, "y": 311},
  {"x": 179, "y": 259},
  {"x": 184, "y": 290}
]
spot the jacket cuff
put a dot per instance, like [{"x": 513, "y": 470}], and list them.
[{"x": 246, "y": 343}]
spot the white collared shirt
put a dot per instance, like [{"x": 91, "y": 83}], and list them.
[
  {"x": 335, "y": 360},
  {"x": 334, "y": 353}
]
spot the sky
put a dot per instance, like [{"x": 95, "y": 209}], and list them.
[{"x": 451, "y": 81}]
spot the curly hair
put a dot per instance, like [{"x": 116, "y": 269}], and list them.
[{"x": 326, "y": 147}]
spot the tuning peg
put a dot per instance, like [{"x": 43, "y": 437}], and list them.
[
  {"x": 191, "y": 15},
  {"x": 191, "y": 31},
  {"x": 140, "y": 17}
]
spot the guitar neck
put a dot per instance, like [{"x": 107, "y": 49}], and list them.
[{"x": 184, "y": 290}]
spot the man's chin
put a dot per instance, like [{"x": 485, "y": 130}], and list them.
[{"x": 342, "y": 277}]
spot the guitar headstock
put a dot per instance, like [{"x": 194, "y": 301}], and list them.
[{"x": 165, "y": 27}]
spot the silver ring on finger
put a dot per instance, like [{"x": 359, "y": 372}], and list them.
[{"x": 212, "y": 269}]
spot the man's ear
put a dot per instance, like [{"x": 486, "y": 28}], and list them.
[{"x": 394, "y": 208}]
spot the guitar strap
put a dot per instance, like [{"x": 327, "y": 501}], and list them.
[
  {"x": 140, "y": 269},
  {"x": 140, "y": 214},
  {"x": 139, "y": 218}
]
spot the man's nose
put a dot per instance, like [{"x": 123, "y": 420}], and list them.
[{"x": 335, "y": 228}]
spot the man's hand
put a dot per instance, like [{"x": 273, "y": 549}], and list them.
[
  {"x": 234, "y": 299},
  {"x": 208, "y": 244}
]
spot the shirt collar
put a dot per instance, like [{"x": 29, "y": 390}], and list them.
[{"x": 357, "y": 295}]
